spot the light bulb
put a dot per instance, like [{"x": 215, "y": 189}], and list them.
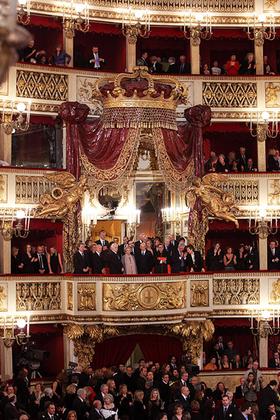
[
  {"x": 20, "y": 214},
  {"x": 265, "y": 115},
  {"x": 21, "y": 323},
  {"x": 22, "y": 2},
  {"x": 262, "y": 211},
  {"x": 21, "y": 107},
  {"x": 261, "y": 18},
  {"x": 79, "y": 7},
  {"x": 265, "y": 315},
  {"x": 138, "y": 14},
  {"x": 199, "y": 17}
]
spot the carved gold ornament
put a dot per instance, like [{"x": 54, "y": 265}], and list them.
[
  {"x": 86, "y": 297},
  {"x": 199, "y": 293},
  {"x": 40, "y": 85},
  {"x": 38, "y": 296},
  {"x": 70, "y": 296},
  {"x": 275, "y": 293},
  {"x": 140, "y": 297},
  {"x": 29, "y": 189},
  {"x": 272, "y": 95},
  {"x": 74, "y": 331},
  {"x": 3, "y": 298},
  {"x": 236, "y": 291},
  {"x": 229, "y": 94}
]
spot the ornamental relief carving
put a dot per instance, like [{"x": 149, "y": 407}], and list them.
[
  {"x": 39, "y": 85},
  {"x": 140, "y": 297},
  {"x": 38, "y": 296},
  {"x": 70, "y": 296},
  {"x": 3, "y": 297},
  {"x": 244, "y": 191},
  {"x": 30, "y": 188},
  {"x": 236, "y": 291},
  {"x": 229, "y": 94},
  {"x": 85, "y": 88},
  {"x": 199, "y": 293},
  {"x": 86, "y": 297},
  {"x": 3, "y": 188},
  {"x": 275, "y": 292},
  {"x": 272, "y": 95},
  {"x": 273, "y": 197}
]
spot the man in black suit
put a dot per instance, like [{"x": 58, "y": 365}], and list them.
[
  {"x": 79, "y": 404},
  {"x": 184, "y": 398},
  {"x": 95, "y": 413},
  {"x": 143, "y": 60},
  {"x": 50, "y": 413},
  {"x": 275, "y": 361},
  {"x": 10, "y": 411},
  {"x": 144, "y": 260},
  {"x": 251, "y": 258},
  {"x": 194, "y": 260},
  {"x": 113, "y": 260},
  {"x": 104, "y": 391},
  {"x": 41, "y": 264},
  {"x": 244, "y": 413},
  {"x": 102, "y": 239},
  {"x": 142, "y": 238},
  {"x": 242, "y": 160},
  {"x": 96, "y": 260},
  {"x": 183, "y": 67},
  {"x": 240, "y": 390},
  {"x": 178, "y": 259},
  {"x": 155, "y": 67},
  {"x": 164, "y": 389},
  {"x": 81, "y": 260},
  {"x": 273, "y": 256},
  {"x": 123, "y": 245},
  {"x": 268, "y": 396},
  {"x": 226, "y": 411},
  {"x": 172, "y": 69}
]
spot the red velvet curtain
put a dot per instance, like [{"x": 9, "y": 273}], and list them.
[{"x": 118, "y": 349}]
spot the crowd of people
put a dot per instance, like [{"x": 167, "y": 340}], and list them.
[
  {"x": 233, "y": 162},
  {"x": 148, "y": 391},
  {"x": 36, "y": 260}
]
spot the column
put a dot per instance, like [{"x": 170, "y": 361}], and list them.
[
  {"x": 68, "y": 45},
  {"x": 130, "y": 47},
  {"x": 259, "y": 56},
  {"x": 263, "y": 356},
  {"x": 5, "y": 256},
  {"x": 6, "y": 361},
  {"x": 263, "y": 253},
  {"x": 195, "y": 55},
  {"x": 68, "y": 348},
  {"x": 5, "y": 147},
  {"x": 261, "y": 138}
]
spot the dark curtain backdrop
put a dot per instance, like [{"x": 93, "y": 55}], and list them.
[{"x": 118, "y": 349}]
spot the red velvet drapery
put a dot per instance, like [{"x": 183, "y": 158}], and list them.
[{"x": 117, "y": 350}]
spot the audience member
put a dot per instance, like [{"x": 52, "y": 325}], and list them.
[
  {"x": 248, "y": 66},
  {"x": 205, "y": 70},
  {"x": 60, "y": 57},
  {"x": 96, "y": 61},
  {"x": 155, "y": 66},
  {"x": 215, "y": 69},
  {"x": 183, "y": 67},
  {"x": 172, "y": 69},
  {"x": 232, "y": 66},
  {"x": 54, "y": 261},
  {"x": 128, "y": 261},
  {"x": 267, "y": 69},
  {"x": 143, "y": 60},
  {"x": 81, "y": 261}
]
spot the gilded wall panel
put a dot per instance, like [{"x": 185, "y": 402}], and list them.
[
  {"x": 4, "y": 87},
  {"x": 236, "y": 291},
  {"x": 86, "y": 297},
  {"x": 244, "y": 191},
  {"x": 3, "y": 188},
  {"x": 274, "y": 292},
  {"x": 229, "y": 94},
  {"x": 271, "y": 5},
  {"x": 143, "y": 296},
  {"x": 38, "y": 296},
  {"x": 273, "y": 192},
  {"x": 85, "y": 86},
  {"x": 272, "y": 95},
  {"x": 3, "y": 297},
  {"x": 199, "y": 293},
  {"x": 70, "y": 296},
  {"x": 30, "y": 188},
  {"x": 39, "y": 85}
]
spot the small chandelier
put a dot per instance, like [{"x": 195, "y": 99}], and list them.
[
  {"x": 265, "y": 126},
  {"x": 89, "y": 219},
  {"x": 199, "y": 26},
  {"x": 23, "y": 12},
  {"x": 265, "y": 323},
  {"x": 10, "y": 325},
  {"x": 137, "y": 24},
  {"x": 16, "y": 225},
  {"x": 263, "y": 29},
  {"x": 15, "y": 116},
  {"x": 77, "y": 19},
  {"x": 262, "y": 225}
]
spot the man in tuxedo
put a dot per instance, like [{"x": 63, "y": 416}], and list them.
[
  {"x": 114, "y": 260},
  {"x": 251, "y": 258},
  {"x": 144, "y": 260},
  {"x": 80, "y": 405},
  {"x": 183, "y": 67},
  {"x": 194, "y": 260},
  {"x": 123, "y": 245},
  {"x": 184, "y": 398},
  {"x": 172, "y": 69},
  {"x": 95, "y": 413},
  {"x": 242, "y": 160},
  {"x": 240, "y": 390},
  {"x": 81, "y": 260},
  {"x": 102, "y": 239},
  {"x": 273, "y": 256},
  {"x": 142, "y": 238},
  {"x": 244, "y": 413},
  {"x": 164, "y": 389},
  {"x": 50, "y": 413},
  {"x": 10, "y": 411},
  {"x": 41, "y": 265},
  {"x": 178, "y": 259},
  {"x": 268, "y": 396},
  {"x": 95, "y": 60},
  {"x": 275, "y": 361},
  {"x": 104, "y": 391},
  {"x": 143, "y": 60},
  {"x": 96, "y": 260},
  {"x": 155, "y": 67},
  {"x": 226, "y": 411}
]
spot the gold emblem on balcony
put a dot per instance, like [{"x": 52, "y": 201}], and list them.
[
  {"x": 86, "y": 297},
  {"x": 275, "y": 293},
  {"x": 3, "y": 298},
  {"x": 140, "y": 297},
  {"x": 199, "y": 293}
]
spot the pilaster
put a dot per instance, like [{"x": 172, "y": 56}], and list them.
[
  {"x": 195, "y": 56},
  {"x": 5, "y": 146},
  {"x": 259, "y": 56},
  {"x": 6, "y": 362},
  {"x": 68, "y": 45},
  {"x": 130, "y": 53},
  {"x": 263, "y": 350},
  {"x": 5, "y": 256}
]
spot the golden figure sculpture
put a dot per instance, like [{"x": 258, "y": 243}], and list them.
[
  {"x": 62, "y": 199},
  {"x": 214, "y": 200}
]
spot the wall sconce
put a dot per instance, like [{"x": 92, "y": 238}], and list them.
[
  {"x": 265, "y": 323},
  {"x": 77, "y": 18},
  {"x": 136, "y": 24},
  {"x": 198, "y": 26},
  {"x": 23, "y": 12},
  {"x": 263, "y": 29},
  {"x": 262, "y": 225},
  {"x": 265, "y": 126},
  {"x": 16, "y": 224},
  {"x": 13, "y": 323},
  {"x": 15, "y": 116}
]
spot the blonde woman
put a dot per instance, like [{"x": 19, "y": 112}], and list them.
[{"x": 109, "y": 410}]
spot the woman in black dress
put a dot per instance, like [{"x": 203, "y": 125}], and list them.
[
  {"x": 16, "y": 262},
  {"x": 29, "y": 259},
  {"x": 55, "y": 261}
]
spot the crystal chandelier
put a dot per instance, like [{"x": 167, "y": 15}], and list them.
[
  {"x": 10, "y": 326},
  {"x": 261, "y": 224},
  {"x": 265, "y": 323},
  {"x": 197, "y": 26},
  {"x": 23, "y": 12},
  {"x": 263, "y": 29},
  {"x": 265, "y": 126},
  {"x": 15, "y": 116},
  {"x": 136, "y": 24},
  {"x": 16, "y": 224},
  {"x": 77, "y": 18}
]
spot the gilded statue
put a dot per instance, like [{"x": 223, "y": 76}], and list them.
[
  {"x": 63, "y": 197},
  {"x": 214, "y": 201}
]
